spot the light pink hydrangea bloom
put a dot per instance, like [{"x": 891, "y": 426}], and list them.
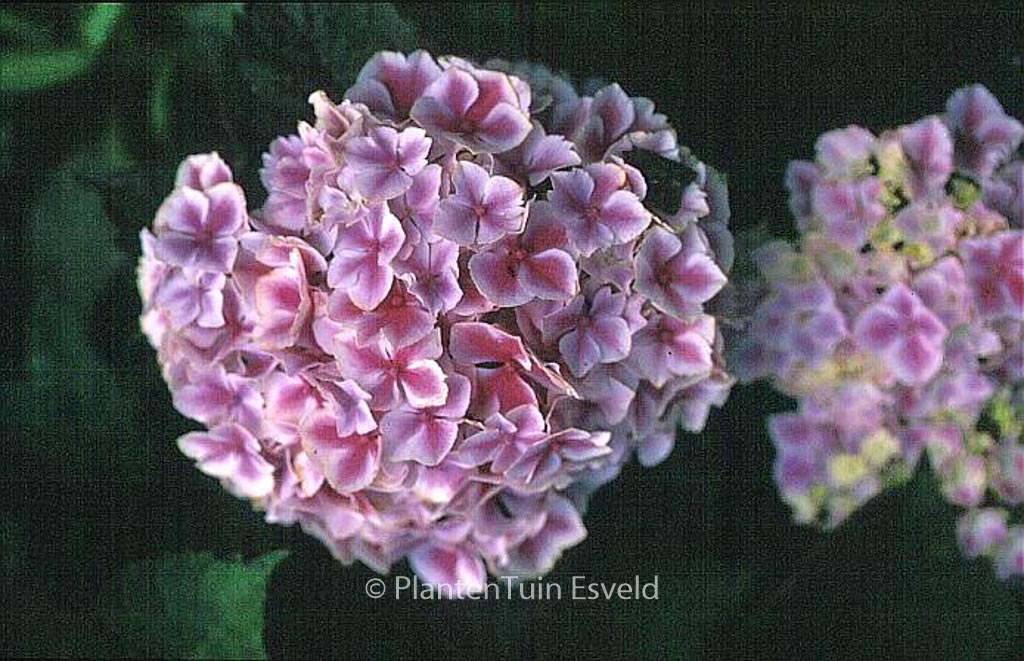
[
  {"x": 449, "y": 313},
  {"x": 898, "y": 323}
]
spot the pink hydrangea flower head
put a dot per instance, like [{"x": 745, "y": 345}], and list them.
[
  {"x": 453, "y": 318},
  {"x": 897, "y": 323}
]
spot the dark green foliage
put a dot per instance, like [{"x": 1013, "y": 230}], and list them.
[{"x": 326, "y": 47}]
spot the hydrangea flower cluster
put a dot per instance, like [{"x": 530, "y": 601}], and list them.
[
  {"x": 898, "y": 322},
  {"x": 452, "y": 319}
]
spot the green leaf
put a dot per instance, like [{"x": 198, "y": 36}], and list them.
[
  {"x": 185, "y": 605},
  {"x": 99, "y": 23},
  {"x": 29, "y": 72},
  {"x": 25, "y": 31},
  {"x": 190, "y": 605},
  {"x": 73, "y": 256},
  {"x": 160, "y": 100}
]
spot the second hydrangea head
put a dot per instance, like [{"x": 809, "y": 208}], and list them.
[{"x": 897, "y": 322}]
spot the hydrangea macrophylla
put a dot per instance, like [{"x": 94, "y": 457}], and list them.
[
  {"x": 451, "y": 318},
  {"x": 898, "y": 322}
]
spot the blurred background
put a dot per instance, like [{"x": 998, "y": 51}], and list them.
[{"x": 113, "y": 544}]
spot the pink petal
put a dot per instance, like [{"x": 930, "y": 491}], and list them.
[
  {"x": 625, "y": 216},
  {"x": 497, "y": 278},
  {"x": 349, "y": 463},
  {"x": 226, "y": 213},
  {"x": 455, "y": 221},
  {"x": 504, "y": 127},
  {"x": 410, "y": 436},
  {"x": 453, "y": 569},
  {"x": 550, "y": 275},
  {"x": 185, "y": 210},
  {"x": 915, "y": 362},
  {"x": 473, "y": 343},
  {"x": 423, "y": 383},
  {"x": 877, "y": 328},
  {"x": 581, "y": 352}
]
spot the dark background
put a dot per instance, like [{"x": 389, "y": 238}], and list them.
[{"x": 92, "y": 483}]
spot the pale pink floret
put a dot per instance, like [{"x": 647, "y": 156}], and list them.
[
  {"x": 393, "y": 375},
  {"x": 520, "y": 268},
  {"x": 590, "y": 332},
  {"x": 984, "y": 134},
  {"x": 539, "y": 156},
  {"x": 287, "y": 168},
  {"x": 191, "y": 295},
  {"x": 203, "y": 171},
  {"x": 802, "y": 178},
  {"x": 995, "y": 270},
  {"x": 400, "y": 318},
  {"x": 349, "y": 463},
  {"x": 981, "y": 530},
  {"x": 560, "y": 528},
  {"x": 286, "y": 400},
  {"x": 213, "y": 396},
  {"x": 667, "y": 348},
  {"x": 198, "y": 229},
  {"x": 426, "y": 435},
  {"x": 1009, "y": 559},
  {"x": 597, "y": 206},
  {"x": 351, "y": 407},
  {"x": 482, "y": 209},
  {"x": 844, "y": 152},
  {"x": 498, "y": 361},
  {"x": 928, "y": 148},
  {"x": 386, "y": 160},
  {"x": 552, "y": 460},
  {"x": 677, "y": 274},
  {"x": 901, "y": 331},
  {"x": 932, "y": 224},
  {"x": 434, "y": 268},
  {"x": 391, "y": 82},
  {"x": 1006, "y": 193},
  {"x": 232, "y": 454},
  {"x": 283, "y": 305},
  {"x": 476, "y": 108},
  {"x": 452, "y": 567},
  {"x": 363, "y": 256},
  {"x": 849, "y": 210},
  {"x": 610, "y": 115}
]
